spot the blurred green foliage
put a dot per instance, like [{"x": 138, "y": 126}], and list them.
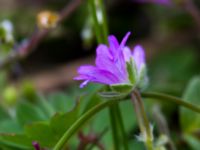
[
  {"x": 190, "y": 121},
  {"x": 45, "y": 119}
]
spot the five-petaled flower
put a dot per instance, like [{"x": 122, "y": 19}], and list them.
[{"x": 116, "y": 66}]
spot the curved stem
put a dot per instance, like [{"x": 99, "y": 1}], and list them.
[
  {"x": 143, "y": 121},
  {"x": 95, "y": 19},
  {"x": 160, "y": 96},
  {"x": 142, "y": 111},
  {"x": 104, "y": 23},
  {"x": 76, "y": 125}
]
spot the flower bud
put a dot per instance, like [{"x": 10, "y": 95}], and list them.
[
  {"x": 47, "y": 19},
  {"x": 10, "y": 96}
]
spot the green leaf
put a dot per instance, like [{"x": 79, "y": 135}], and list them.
[
  {"x": 16, "y": 141},
  {"x": 42, "y": 133},
  {"x": 9, "y": 126},
  {"x": 3, "y": 113},
  {"x": 91, "y": 102},
  {"x": 190, "y": 121},
  {"x": 193, "y": 142},
  {"x": 89, "y": 96},
  {"x": 100, "y": 123},
  {"x": 48, "y": 133},
  {"x": 61, "y": 102},
  {"x": 60, "y": 122},
  {"x": 128, "y": 115},
  {"x": 27, "y": 113},
  {"x": 45, "y": 106}
]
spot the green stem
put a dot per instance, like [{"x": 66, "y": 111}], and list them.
[
  {"x": 102, "y": 33},
  {"x": 76, "y": 125},
  {"x": 142, "y": 110},
  {"x": 104, "y": 23},
  {"x": 122, "y": 128},
  {"x": 160, "y": 96},
  {"x": 96, "y": 24},
  {"x": 113, "y": 121},
  {"x": 142, "y": 119},
  {"x": 101, "y": 29}
]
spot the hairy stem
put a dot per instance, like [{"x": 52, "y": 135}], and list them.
[
  {"x": 144, "y": 124},
  {"x": 169, "y": 98}
]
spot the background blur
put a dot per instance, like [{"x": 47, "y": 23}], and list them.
[{"x": 169, "y": 32}]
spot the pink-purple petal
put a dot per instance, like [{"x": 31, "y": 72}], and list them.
[
  {"x": 124, "y": 40},
  {"x": 139, "y": 56},
  {"x": 84, "y": 83},
  {"x": 104, "y": 61},
  {"x": 127, "y": 53},
  {"x": 103, "y": 57},
  {"x": 121, "y": 65},
  {"x": 94, "y": 74},
  {"x": 113, "y": 44}
]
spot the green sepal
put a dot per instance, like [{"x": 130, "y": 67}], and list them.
[
  {"x": 122, "y": 88},
  {"x": 143, "y": 79},
  {"x": 132, "y": 72},
  {"x": 112, "y": 95}
]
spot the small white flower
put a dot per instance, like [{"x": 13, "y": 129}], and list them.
[{"x": 7, "y": 26}]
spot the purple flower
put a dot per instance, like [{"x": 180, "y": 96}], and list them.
[{"x": 115, "y": 64}]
